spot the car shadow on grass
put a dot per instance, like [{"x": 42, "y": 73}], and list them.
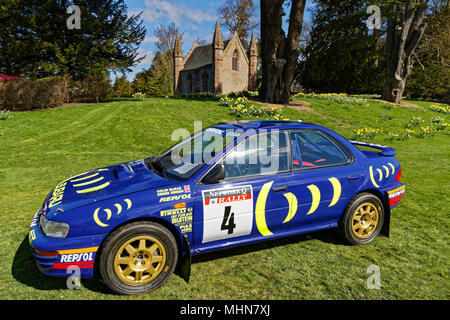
[
  {"x": 25, "y": 270},
  {"x": 328, "y": 236}
]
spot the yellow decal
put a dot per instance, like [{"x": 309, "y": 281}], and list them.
[
  {"x": 97, "y": 220},
  {"x": 32, "y": 236},
  {"x": 119, "y": 208},
  {"x": 57, "y": 194},
  {"x": 387, "y": 171},
  {"x": 371, "y": 177},
  {"x": 128, "y": 201},
  {"x": 315, "y": 193},
  {"x": 392, "y": 166},
  {"x": 292, "y": 199},
  {"x": 84, "y": 178},
  {"x": 109, "y": 213},
  {"x": 380, "y": 174},
  {"x": 88, "y": 182},
  {"x": 336, "y": 190},
  {"x": 94, "y": 188},
  {"x": 82, "y": 250},
  {"x": 260, "y": 210}
]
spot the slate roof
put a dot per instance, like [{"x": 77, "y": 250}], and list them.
[{"x": 200, "y": 57}]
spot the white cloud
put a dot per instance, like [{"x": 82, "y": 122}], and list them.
[
  {"x": 149, "y": 55},
  {"x": 169, "y": 11},
  {"x": 150, "y": 39}
]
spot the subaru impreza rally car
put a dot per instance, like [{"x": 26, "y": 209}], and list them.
[{"x": 230, "y": 184}]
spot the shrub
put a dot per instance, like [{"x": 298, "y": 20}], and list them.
[
  {"x": 95, "y": 88},
  {"x": 5, "y": 115},
  {"x": 440, "y": 109},
  {"x": 365, "y": 133},
  {"x": 29, "y": 94}
]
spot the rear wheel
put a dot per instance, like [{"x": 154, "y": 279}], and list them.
[
  {"x": 363, "y": 219},
  {"x": 138, "y": 257}
]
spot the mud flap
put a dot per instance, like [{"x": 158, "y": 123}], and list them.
[
  {"x": 184, "y": 266},
  {"x": 387, "y": 220}
]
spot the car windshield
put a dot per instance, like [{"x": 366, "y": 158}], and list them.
[{"x": 184, "y": 159}]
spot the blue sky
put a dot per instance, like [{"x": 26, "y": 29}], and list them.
[{"x": 196, "y": 18}]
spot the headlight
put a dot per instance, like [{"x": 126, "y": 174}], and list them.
[{"x": 53, "y": 229}]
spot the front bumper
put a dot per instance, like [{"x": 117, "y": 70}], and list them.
[{"x": 55, "y": 256}]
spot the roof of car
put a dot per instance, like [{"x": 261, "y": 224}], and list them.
[{"x": 259, "y": 124}]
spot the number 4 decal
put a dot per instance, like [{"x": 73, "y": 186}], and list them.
[
  {"x": 228, "y": 218},
  {"x": 227, "y": 213}
]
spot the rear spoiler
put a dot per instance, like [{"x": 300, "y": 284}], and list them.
[{"x": 384, "y": 150}]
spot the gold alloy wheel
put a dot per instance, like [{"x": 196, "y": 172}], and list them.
[
  {"x": 365, "y": 220},
  {"x": 139, "y": 260}
]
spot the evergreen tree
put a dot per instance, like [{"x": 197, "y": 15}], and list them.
[
  {"x": 35, "y": 39},
  {"x": 342, "y": 54}
]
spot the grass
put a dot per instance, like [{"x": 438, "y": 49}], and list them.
[{"x": 38, "y": 149}]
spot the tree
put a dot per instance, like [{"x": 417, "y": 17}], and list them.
[
  {"x": 341, "y": 54},
  {"x": 158, "y": 79},
  {"x": 122, "y": 87},
  {"x": 279, "y": 53},
  {"x": 430, "y": 78},
  {"x": 238, "y": 16},
  {"x": 35, "y": 40},
  {"x": 405, "y": 27}
]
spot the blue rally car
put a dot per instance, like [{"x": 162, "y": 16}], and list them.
[{"x": 230, "y": 184}]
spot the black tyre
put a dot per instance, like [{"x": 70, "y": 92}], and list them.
[
  {"x": 362, "y": 219},
  {"x": 138, "y": 257}
]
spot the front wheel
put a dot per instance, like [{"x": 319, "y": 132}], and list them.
[
  {"x": 362, "y": 219},
  {"x": 138, "y": 258}
]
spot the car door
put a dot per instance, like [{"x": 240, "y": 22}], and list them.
[
  {"x": 251, "y": 202},
  {"x": 325, "y": 177}
]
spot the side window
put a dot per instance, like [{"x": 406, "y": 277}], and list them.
[
  {"x": 314, "y": 149},
  {"x": 259, "y": 154}
]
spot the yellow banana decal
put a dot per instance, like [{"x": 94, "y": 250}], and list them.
[
  {"x": 260, "y": 210},
  {"x": 387, "y": 171},
  {"x": 293, "y": 204},
  {"x": 371, "y": 177},
  {"x": 109, "y": 213},
  {"x": 380, "y": 174},
  {"x": 315, "y": 193},
  {"x": 336, "y": 190},
  {"x": 119, "y": 208},
  {"x": 97, "y": 220},
  {"x": 392, "y": 167}
]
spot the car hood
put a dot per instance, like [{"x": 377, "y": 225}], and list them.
[{"x": 101, "y": 184}]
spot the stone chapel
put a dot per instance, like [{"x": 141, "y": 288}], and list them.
[{"x": 218, "y": 67}]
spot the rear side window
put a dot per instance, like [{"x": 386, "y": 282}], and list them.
[{"x": 314, "y": 149}]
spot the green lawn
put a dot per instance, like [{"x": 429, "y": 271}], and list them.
[{"x": 38, "y": 149}]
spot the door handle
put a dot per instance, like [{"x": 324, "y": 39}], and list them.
[
  {"x": 280, "y": 188},
  {"x": 354, "y": 177}
]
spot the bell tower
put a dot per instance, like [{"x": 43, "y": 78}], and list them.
[
  {"x": 253, "y": 64},
  {"x": 217, "y": 48},
  {"x": 178, "y": 65}
]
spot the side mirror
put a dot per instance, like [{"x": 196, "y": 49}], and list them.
[{"x": 215, "y": 175}]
